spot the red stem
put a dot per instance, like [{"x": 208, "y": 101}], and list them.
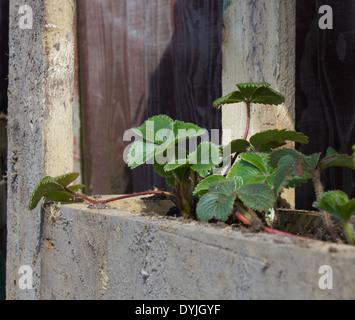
[
  {"x": 319, "y": 189},
  {"x": 248, "y": 122},
  {"x": 121, "y": 197},
  {"x": 245, "y": 138},
  {"x": 231, "y": 165},
  {"x": 266, "y": 229},
  {"x": 239, "y": 216}
]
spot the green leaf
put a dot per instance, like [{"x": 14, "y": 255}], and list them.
[
  {"x": 239, "y": 182},
  {"x": 66, "y": 179},
  {"x": 182, "y": 174},
  {"x": 286, "y": 174},
  {"x": 311, "y": 162},
  {"x": 218, "y": 203},
  {"x": 76, "y": 188},
  {"x": 267, "y": 96},
  {"x": 234, "y": 97},
  {"x": 297, "y": 181},
  {"x": 160, "y": 135},
  {"x": 238, "y": 146},
  {"x": 330, "y": 152},
  {"x": 337, "y": 204},
  {"x": 348, "y": 210},
  {"x": 203, "y": 187},
  {"x": 59, "y": 196},
  {"x": 227, "y": 187},
  {"x": 178, "y": 159},
  {"x": 267, "y": 140},
  {"x": 277, "y": 155},
  {"x": 168, "y": 175},
  {"x": 248, "y": 89},
  {"x": 253, "y": 168},
  {"x": 206, "y": 157},
  {"x": 149, "y": 130},
  {"x": 291, "y": 171},
  {"x": 184, "y": 131},
  {"x": 45, "y": 186},
  {"x": 173, "y": 166},
  {"x": 140, "y": 152},
  {"x": 337, "y": 160},
  {"x": 257, "y": 196},
  {"x": 247, "y": 171},
  {"x": 53, "y": 188},
  {"x": 282, "y": 175},
  {"x": 260, "y": 93},
  {"x": 259, "y": 160}
]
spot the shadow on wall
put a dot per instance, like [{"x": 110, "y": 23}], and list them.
[
  {"x": 139, "y": 59},
  {"x": 188, "y": 78},
  {"x": 325, "y": 99}
]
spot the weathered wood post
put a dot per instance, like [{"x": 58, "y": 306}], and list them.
[
  {"x": 40, "y": 124},
  {"x": 259, "y": 46}
]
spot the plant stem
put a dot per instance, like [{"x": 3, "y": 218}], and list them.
[
  {"x": 266, "y": 229},
  {"x": 248, "y": 121},
  {"x": 318, "y": 187},
  {"x": 247, "y": 129},
  {"x": 184, "y": 194},
  {"x": 349, "y": 233},
  {"x": 231, "y": 165},
  {"x": 78, "y": 195}
]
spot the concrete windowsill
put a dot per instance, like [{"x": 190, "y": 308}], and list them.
[{"x": 118, "y": 254}]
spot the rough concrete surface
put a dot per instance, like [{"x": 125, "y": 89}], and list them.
[
  {"x": 142, "y": 204},
  {"x": 2, "y": 201},
  {"x": 41, "y": 84},
  {"x": 116, "y": 254}
]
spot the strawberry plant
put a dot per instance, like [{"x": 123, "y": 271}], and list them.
[
  {"x": 251, "y": 181},
  {"x": 312, "y": 167},
  {"x": 163, "y": 144},
  {"x": 338, "y": 205},
  {"x": 262, "y": 161},
  {"x": 160, "y": 144},
  {"x": 249, "y": 93},
  {"x": 257, "y": 185},
  {"x": 56, "y": 189},
  {"x": 59, "y": 189},
  {"x": 244, "y": 178}
]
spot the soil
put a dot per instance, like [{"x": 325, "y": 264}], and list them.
[
  {"x": 317, "y": 231},
  {"x": 321, "y": 233},
  {"x": 159, "y": 204},
  {"x": 307, "y": 224}
]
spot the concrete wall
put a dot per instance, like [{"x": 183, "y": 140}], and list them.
[
  {"x": 81, "y": 254},
  {"x": 2, "y": 235},
  {"x": 41, "y": 75},
  {"x": 116, "y": 254}
]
